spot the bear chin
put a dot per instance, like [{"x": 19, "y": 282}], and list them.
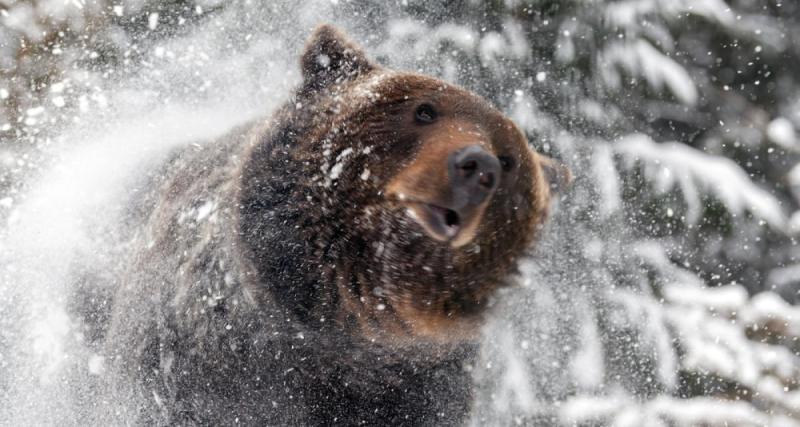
[{"x": 289, "y": 272}]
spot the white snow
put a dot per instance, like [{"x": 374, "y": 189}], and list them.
[
  {"x": 515, "y": 388},
  {"x": 338, "y": 167},
  {"x": 630, "y": 13},
  {"x": 96, "y": 364},
  {"x": 725, "y": 300},
  {"x": 671, "y": 164},
  {"x": 641, "y": 59},
  {"x": 204, "y": 210},
  {"x": 35, "y": 111},
  {"x": 619, "y": 410},
  {"x": 605, "y": 172},
  {"x": 722, "y": 345},
  {"x": 75, "y": 194},
  {"x": 586, "y": 365},
  {"x": 784, "y": 275},
  {"x": 152, "y": 21},
  {"x": 336, "y": 170},
  {"x": 768, "y": 307},
  {"x": 781, "y": 131},
  {"x": 494, "y": 46}
]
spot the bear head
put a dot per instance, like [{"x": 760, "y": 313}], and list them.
[{"x": 414, "y": 196}]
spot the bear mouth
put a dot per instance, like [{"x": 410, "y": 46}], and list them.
[{"x": 439, "y": 222}]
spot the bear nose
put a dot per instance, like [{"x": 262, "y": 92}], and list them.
[{"x": 474, "y": 175}]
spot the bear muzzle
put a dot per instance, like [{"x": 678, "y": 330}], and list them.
[
  {"x": 447, "y": 191},
  {"x": 474, "y": 175}
]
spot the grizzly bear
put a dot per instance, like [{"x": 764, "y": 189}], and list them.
[{"x": 328, "y": 265}]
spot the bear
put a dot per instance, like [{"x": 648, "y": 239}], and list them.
[{"x": 329, "y": 264}]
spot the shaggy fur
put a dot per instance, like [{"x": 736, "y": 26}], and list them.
[{"x": 279, "y": 279}]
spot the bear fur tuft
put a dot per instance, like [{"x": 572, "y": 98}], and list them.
[{"x": 331, "y": 58}]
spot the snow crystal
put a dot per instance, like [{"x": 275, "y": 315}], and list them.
[
  {"x": 96, "y": 364},
  {"x": 35, "y": 111},
  {"x": 205, "y": 209},
  {"x": 336, "y": 170},
  {"x": 781, "y": 131},
  {"x": 152, "y": 21},
  {"x": 323, "y": 60},
  {"x": 338, "y": 167}
]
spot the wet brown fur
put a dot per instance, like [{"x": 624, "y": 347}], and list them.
[{"x": 309, "y": 295}]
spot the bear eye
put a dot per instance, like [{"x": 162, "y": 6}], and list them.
[
  {"x": 425, "y": 113},
  {"x": 506, "y": 162}
]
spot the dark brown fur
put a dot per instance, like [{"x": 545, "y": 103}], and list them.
[{"x": 280, "y": 280}]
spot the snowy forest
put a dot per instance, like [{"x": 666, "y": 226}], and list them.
[{"x": 666, "y": 289}]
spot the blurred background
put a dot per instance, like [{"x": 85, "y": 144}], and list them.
[{"x": 666, "y": 290}]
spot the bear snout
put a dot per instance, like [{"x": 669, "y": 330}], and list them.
[
  {"x": 474, "y": 175},
  {"x": 449, "y": 184}
]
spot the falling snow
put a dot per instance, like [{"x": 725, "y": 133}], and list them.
[{"x": 665, "y": 290}]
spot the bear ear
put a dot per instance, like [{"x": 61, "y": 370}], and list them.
[
  {"x": 557, "y": 174},
  {"x": 329, "y": 58}
]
